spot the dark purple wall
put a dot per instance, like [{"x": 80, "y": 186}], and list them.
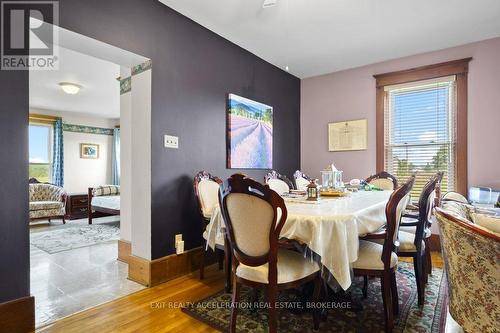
[
  {"x": 14, "y": 239},
  {"x": 193, "y": 70}
]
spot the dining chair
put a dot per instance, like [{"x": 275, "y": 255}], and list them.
[
  {"x": 455, "y": 196},
  {"x": 380, "y": 260},
  {"x": 429, "y": 198},
  {"x": 414, "y": 243},
  {"x": 254, "y": 216},
  {"x": 206, "y": 189},
  {"x": 472, "y": 269},
  {"x": 277, "y": 182},
  {"x": 301, "y": 180},
  {"x": 383, "y": 180}
]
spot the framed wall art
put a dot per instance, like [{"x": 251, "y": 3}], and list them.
[
  {"x": 249, "y": 134},
  {"x": 348, "y": 135},
  {"x": 89, "y": 150}
]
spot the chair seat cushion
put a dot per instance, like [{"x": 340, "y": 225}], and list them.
[
  {"x": 292, "y": 266},
  {"x": 219, "y": 238},
  {"x": 44, "y": 205},
  {"x": 489, "y": 222},
  {"x": 370, "y": 256},
  {"x": 407, "y": 242},
  {"x": 413, "y": 229}
]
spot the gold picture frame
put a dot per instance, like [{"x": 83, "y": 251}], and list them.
[
  {"x": 89, "y": 151},
  {"x": 348, "y": 135}
]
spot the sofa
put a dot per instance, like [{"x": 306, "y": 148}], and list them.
[{"x": 46, "y": 201}]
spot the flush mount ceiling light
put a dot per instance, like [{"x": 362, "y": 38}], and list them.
[
  {"x": 269, "y": 3},
  {"x": 70, "y": 88}
]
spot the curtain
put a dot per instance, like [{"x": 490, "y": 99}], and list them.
[
  {"x": 115, "y": 162},
  {"x": 58, "y": 154}
]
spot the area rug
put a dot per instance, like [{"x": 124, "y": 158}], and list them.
[
  {"x": 54, "y": 241},
  {"x": 342, "y": 317}
]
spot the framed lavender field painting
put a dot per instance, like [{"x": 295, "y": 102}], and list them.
[{"x": 249, "y": 134}]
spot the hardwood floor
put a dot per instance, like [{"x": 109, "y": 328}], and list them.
[{"x": 155, "y": 309}]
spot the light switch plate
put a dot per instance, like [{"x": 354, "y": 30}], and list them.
[{"x": 171, "y": 141}]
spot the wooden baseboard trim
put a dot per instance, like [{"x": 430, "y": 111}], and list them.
[
  {"x": 153, "y": 272},
  {"x": 435, "y": 243},
  {"x": 18, "y": 316},
  {"x": 124, "y": 250}
]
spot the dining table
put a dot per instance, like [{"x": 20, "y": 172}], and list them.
[{"x": 330, "y": 228}]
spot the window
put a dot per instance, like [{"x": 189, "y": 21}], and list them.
[
  {"x": 40, "y": 151},
  {"x": 422, "y": 124},
  {"x": 420, "y": 131}
]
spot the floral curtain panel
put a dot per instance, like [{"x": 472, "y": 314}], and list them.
[
  {"x": 58, "y": 154},
  {"x": 115, "y": 166}
]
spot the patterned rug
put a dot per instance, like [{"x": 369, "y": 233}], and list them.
[
  {"x": 53, "y": 241},
  {"x": 342, "y": 317}
]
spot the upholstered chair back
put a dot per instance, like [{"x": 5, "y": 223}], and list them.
[
  {"x": 426, "y": 203},
  {"x": 45, "y": 192},
  {"x": 206, "y": 189},
  {"x": 473, "y": 272},
  {"x": 278, "y": 186},
  {"x": 254, "y": 216},
  {"x": 393, "y": 212},
  {"x": 383, "y": 183},
  {"x": 301, "y": 180},
  {"x": 278, "y": 183},
  {"x": 251, "y": 218},
  {"x": 455, "y": 196},
  {"x": 383, "y": 180},
  {"x": 430, "y": 206}
]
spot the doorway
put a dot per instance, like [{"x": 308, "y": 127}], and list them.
[{"x": 85, "y": 149}]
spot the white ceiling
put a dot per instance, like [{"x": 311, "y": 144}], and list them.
[
  {"x": 315, "y": 37},
  {"x": 100, "y": 92}
]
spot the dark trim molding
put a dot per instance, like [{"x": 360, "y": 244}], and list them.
[
  {"x": 18, "y": 316},
  {"x": 459, "y": 68}
]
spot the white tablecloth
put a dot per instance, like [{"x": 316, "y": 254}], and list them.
[{"x": 330, "y": 228}]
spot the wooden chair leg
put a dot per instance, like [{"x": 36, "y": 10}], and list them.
[
  {"x": 394, "y": 293},
  {"x": 273, "y": 316},
  {"x": 387, "y": 299},
  {"x": 220, "y": 258},
  {"x": 234, "y": 306},
  {"x": 228, "y": 266},
  {"x": 202, "y": 263},
  {"x": 316, "y": 298},
  {"x": 428, "y": 256},
  {"x": 365, "y": 286},
  {"x": 417, "y": 264}
]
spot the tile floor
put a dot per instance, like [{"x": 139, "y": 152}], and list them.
[{"x": 70, "y": 281}]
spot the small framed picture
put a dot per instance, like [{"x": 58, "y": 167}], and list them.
[
  {"x": 348, "y": 135},
  {"x": 89, "y": 150}
]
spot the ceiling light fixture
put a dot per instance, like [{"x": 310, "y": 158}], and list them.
[
  {"x": 269, "y": 3},
  {"x": 70, "y": 88}
]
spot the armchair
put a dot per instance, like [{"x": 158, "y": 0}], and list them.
[
  {"x": 471, "y": 263},
  {"x": 46, "y": 201}
]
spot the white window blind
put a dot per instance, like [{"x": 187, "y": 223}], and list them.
[{"x": 420, "y": 131}]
